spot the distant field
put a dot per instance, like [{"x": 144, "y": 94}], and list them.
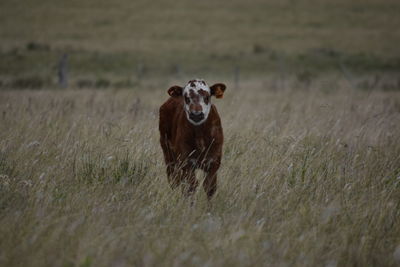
[
  {"x": 116, "y": 40},
  {"x": 309, "y": 177}
]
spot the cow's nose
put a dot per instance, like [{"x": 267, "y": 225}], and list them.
[{"x": 196, "y": 116}]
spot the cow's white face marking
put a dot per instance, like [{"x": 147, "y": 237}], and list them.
[{"x": 197, "y": 101}]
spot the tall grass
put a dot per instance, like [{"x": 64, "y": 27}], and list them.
[{"x": 310, "y": 177}]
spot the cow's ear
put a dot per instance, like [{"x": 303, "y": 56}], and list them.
[
  {"x": 175, "y": 91},
  {"x": 218, "y": 90}
]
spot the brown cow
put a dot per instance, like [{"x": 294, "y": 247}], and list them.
[{"x": 191, "y": 135}]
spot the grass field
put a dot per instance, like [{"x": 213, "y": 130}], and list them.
[
  {"x": 120, "y": 40},
  {"x": 310, "y": 174},
  {"x": 309, "y": 177}
]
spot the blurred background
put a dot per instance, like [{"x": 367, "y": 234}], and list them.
[{"x": 123, "y": 43}]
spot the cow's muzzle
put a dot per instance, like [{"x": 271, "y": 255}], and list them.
[{"x": 196, "y": 116}]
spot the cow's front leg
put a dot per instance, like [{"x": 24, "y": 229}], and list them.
[
  {"x": 173, "y": 175},
  {"x": 170, "y": 161},
  {"x": 189, "y": 180},
  {"x": 210, "y": 182}
]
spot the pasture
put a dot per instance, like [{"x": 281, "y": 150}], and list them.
[
  {"x": 116, "y": 44},
  {"x": 308, "y": 177},
  {"x": 310, "y": 172}
]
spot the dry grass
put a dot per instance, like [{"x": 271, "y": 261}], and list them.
[
  {"x": 311, "y": 167},
  {"x": 310, "y": 177}
]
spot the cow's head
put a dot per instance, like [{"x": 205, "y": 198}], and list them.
[{"x": 197, "y": 98}]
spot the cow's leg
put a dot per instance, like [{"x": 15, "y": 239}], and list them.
[
  {"x": 210, "y": 185},
  {"x": 170, "y": 161},
  {"x": 210, "y": 182},
  {"x": 173, "y": 175},
  {"x": 190, "y": 182}
]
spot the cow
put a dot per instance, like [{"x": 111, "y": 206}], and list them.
[{"x": 191, "y": 135}]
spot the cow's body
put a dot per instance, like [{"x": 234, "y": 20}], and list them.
[{"x": 187, "y": 146}]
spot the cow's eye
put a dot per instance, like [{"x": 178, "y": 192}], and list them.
[{"x": 187, "y": 100}]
